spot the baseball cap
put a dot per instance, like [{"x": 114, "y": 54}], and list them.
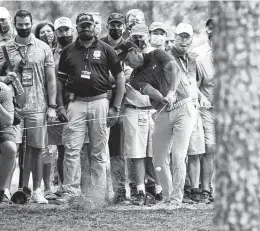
[
  {"x": 83, "y": 18},
  {"x": 184, "y": 28},
  {"x": 4, "y": 13},
  {"x": 116, "y": 17},
  {"x": 157, "y": 25},
  {"x": 139, "y": 29},
  {"x": 124, "y": 48},
  {"x": 62, "y": 21}
]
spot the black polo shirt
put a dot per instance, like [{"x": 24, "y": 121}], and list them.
[
  {"x": 105, "y": 39},
  {"x": 152, "y": 72},
  {"x": 87, "y": 69}
]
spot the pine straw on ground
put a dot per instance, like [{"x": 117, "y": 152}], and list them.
[{"x": 81, "y": 215}]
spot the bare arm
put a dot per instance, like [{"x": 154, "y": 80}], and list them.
[{"x": 51, "y": 84}]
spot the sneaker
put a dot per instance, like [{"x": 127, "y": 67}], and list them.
[
  {"x": 195, "y": 195},
  {"x": 187, "y": 191},
  {"x": 204, "y": 197},
  {"x": 59, "y": 191},
  {"x": 49, "y": 195},
  {"x": 121, "y": 200},
  {"x": 4, "y": 198},
  {"x": 158, "y": 196},
  {"x": 65, "y": 198},
  {"x": 140, "y": 199},
  {"x": 37, "y": 197}
]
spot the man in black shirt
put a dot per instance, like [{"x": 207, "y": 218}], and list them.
[
  {"x": 84, "y": 68},
  {"x": 157, "y": 75}
]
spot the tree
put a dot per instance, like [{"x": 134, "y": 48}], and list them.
[{"x": 237, "y": 104}]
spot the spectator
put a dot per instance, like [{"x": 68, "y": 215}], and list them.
[
  {"x": 140, "y": 36},
  {"x": 133, "y": 17},
  {"x": 7, "y": 32},
  {"x": 86, "y": 64},
  {"x": 158, "y": 35},
  {"x": 45, "y": 32},
  {"x": 138, "y": 128},
  {"x": 7, "y": 140},
  {"x": 116, "y": 27},
  {"x": 205, "y": 74},
  {"x": 34, "y": 67}
]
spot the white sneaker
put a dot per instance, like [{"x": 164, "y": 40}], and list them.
[{"x": 37, "y": 197}]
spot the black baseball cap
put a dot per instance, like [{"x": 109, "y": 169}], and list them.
[
  {"x": 124, "y": 48},
  {"x": 85, "y": 18},
  {"x": 116, "y": 17}
]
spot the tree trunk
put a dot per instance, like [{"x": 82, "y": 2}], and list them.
[{"x": 237, "y": 101}]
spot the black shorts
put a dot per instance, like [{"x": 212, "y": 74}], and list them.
[{"x": 7, "y": 134}]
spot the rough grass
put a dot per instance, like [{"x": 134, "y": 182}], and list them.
[{"x": 84, "y": 216}]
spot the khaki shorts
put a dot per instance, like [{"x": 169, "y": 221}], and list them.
[
  {"x": 36, "y": 137},
  {"x": 208, "y": 121},
  {"x": 138, "y": 128},
  {"x": 197, "y": 140}
]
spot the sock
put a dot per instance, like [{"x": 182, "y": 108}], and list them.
[
  {"x": 140, "y": 187},
  {"x": 158, "y": 188}
]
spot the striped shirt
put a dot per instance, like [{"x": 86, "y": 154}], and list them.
[{"x": 38, "y": 55}]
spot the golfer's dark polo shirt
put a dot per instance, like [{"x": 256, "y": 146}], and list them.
[
  {"x": 153, "y": 72},
  {"x": 87, "y": 69}
]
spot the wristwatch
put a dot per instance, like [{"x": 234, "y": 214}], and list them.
[
  {"x": 54, "y": 106},
  {"x": 117, "y": 109}
]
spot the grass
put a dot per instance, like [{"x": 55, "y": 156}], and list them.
[{"x": 85, "y": 217}]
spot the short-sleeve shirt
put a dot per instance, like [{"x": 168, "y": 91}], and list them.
[
  {"x": 6, "y": 100},
  {"x": 153, "y": 72},
  {"x": 87, "y": 69},
  {"x": 38, "y": 55},
  {"x": 205, "y": 75}
]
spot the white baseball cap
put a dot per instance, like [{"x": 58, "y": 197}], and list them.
[
  {"x": 4, "y": 13},
  {"x": 184, "y": 28},
  {"x": 62, "y": 21}
]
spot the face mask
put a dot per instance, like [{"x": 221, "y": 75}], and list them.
[
  {"x": 115, "y": 33},
  {"x": 131, "y": 25},
  {"x": 47, "y": 38},
  {"x": 24, "y": 33},
  {"x": 65, "y": 40},
  {"x": 85, "y": 35},
  {"x": 4, "y": 28},
  {"x": 140, "y": 43},
  {"x": 157, "y": 40}
]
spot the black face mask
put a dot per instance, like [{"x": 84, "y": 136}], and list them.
[
  {"x": 4, "y": 28},
  {"x": 115, "y": 33},
  {"x": 65, "y": 40},
  {"x": 24, "y": 33},
  {"x": 85, "y": 35},
  {"x": 140, "y": 43}
]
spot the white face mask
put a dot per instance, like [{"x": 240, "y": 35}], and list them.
[{"x": 157, "y": 40}]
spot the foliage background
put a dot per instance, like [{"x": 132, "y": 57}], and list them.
[{"x": 169, "y": 12}]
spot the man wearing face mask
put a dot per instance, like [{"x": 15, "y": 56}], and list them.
[
  {"x": 158, "y": 34},
  {"x": 98, "y": 23},
  {"x": 34, "y": 66},
  {"x": 133, "y": 17},
  {"x": 84, "y": 65},
  {"x": 7, "y": 32},
  {"x": 140, "y": 36},
  {"x": 116, "y": 27}
]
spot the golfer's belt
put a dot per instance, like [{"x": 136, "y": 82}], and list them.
[{"x": 173, "y": 106}]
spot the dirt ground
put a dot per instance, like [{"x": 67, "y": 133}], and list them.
[{"x": 82, "y": 216}]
